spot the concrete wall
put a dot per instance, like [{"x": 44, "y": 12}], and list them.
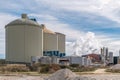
[
  {"x": 33, "y": 42},
  {"x": 22, "y": 42},
  {"x": 50, "y": 42},
  {"x": 61, "y": 42},
  {"x": 76, "y": 60},
  {"x": 15, "y": 43}
]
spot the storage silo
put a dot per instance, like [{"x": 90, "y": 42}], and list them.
[
  {"x": 50, "y": 40},
  {"x": 61, "y": 43},
  {"x": 24, "y": 39}
]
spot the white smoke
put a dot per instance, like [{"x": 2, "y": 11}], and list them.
[{"x": 85, "y": 45}]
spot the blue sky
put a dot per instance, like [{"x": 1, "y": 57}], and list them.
[{"x": 72, "y": 17}]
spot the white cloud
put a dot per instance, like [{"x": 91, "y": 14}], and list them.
[
  {"x": 111, "y": 43},
  {"x": 50, "y": 21},
  {"x": 107, "y": 8},
  {"x": 5, "y": 19},
  {"x": 54, "y": 24},
  {"x": 73, "y": 34}
]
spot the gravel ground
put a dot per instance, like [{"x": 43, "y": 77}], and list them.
[
  {"x": 65, "y": 74},
  {"x": 21, "y": 77},
  {"x": 104, "y": 76},
  {"x": 96, "y": 76}
]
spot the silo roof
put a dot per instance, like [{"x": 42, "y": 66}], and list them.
[
  {"x": 45, "y": 30},
  {"x": 60, "y": 33},
  {"x": 23, "y": 22}
]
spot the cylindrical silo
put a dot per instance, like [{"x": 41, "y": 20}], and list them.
[
  {"x": 50, "y": 40},
  {"x": 61, "y": 43},
  {"x": 24, "y": 39}
]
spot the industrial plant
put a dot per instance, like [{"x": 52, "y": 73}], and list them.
[{"x": 27, "y": 41}]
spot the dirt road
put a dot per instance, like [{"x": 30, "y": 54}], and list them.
[
  {"x": 99, "y": 74},
  {"x": 100, "y": 71}
]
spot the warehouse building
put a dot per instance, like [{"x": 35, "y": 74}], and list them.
[{"x": 27, "y": 40}]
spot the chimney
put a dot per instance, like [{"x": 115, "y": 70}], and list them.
[{"x": 24, "y": 16}]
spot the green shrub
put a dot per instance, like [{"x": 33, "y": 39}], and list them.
[
  {"x": 63, "y": 66},
  {"x": 113, "y": 70},
  {"x": 74, "y": 65},
  {"x": 44, "y": 69},
  {"x": 34, "y": 67},
  {"x": 82, "y": 69},
  {"x": 49, "y": 68},
  {"x": 2, "y": 61},
  {"x": 14, "y": 68}
]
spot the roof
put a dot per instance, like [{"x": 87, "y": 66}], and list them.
[
  {"x": 60, "y": 33},
  {"x": 23, "y": 21},
  {"x": 26, "y": 21},
  {"x": 45, "y": 30}
]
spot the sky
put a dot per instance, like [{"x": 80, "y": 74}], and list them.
[{"x": 74, "y": 18}]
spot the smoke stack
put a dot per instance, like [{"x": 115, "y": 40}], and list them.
[
  {"x": 119, "y": 54},
  {"x": 101, "y": 51},
  {"x": 119, "y": 58}
]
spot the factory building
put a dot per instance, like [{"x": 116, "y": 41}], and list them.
[
  {"x": 82, "y": 61},
  {"x": 110, "y": 57},
  {"x": 77, "y": 60},
  {"x": 104, "y": 54},
  {"x": 27, "y": 40}
]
